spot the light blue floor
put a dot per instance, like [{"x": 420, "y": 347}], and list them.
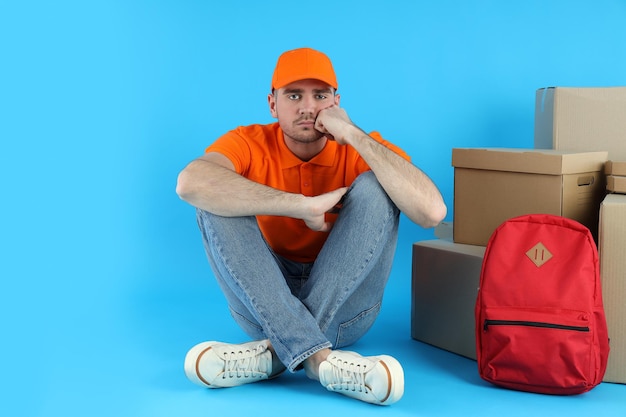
[{"x": 116, "y": 348}]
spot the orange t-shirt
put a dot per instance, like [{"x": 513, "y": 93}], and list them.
[{"x": 259, "y": 153}]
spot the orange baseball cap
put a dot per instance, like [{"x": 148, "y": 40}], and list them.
[{"x": 303, "y": 64}]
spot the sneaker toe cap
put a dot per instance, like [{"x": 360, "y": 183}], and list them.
[{"x": 198, "y": 364}]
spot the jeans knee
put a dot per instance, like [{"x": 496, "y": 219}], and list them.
[
  {"x": 226, "y": 228},
  {"x": 365, "y": 182},
  {"x": 368, "y": 192}
]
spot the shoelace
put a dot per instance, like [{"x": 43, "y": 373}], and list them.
[
  {"x": 242, "y": 364},
  {"x": 350, "y": 376}
]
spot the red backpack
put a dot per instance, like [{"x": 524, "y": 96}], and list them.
[{"x": 540, "y": 323}]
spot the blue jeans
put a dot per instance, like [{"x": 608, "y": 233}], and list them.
[{"x": 305, "y": 307}]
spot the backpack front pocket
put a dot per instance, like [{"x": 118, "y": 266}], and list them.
[{"x": 537, "y": 347}]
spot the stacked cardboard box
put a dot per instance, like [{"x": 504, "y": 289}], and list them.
[
  {"x": 612, "y": 248},
  {"x": 445, "y": 284},
  {"x": 492, "y": 185},
  {"x": 581, "y": 119},
  {"x": 576, "y": 132},
  {"x": 616, "y": 177}
]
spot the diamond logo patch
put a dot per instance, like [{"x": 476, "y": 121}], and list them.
[{"x": 539, "y": 254}]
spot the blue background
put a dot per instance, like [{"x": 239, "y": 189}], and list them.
[{"x": 104, "y": 281}]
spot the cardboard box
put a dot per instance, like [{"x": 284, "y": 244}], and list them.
[
  {"x": 445, "y": 283},
  {"x": 615, "y": 184},
  {"x": 615, "y": 168},
  {"x": 492, "y": 185},
  {"x": 581, "y": 119},
  {"x": 612, "y": 247}
]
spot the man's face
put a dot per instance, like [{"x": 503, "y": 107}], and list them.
[{"x": 296, "y": 107}]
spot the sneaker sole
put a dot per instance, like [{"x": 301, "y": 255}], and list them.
[
  {"x": 396, "y": 379},
  {"x": 192, "y": 361}
]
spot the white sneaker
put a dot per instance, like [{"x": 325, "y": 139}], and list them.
[
  {"x": 220, "y": 365},
  {"x": 374, "y": 379}
]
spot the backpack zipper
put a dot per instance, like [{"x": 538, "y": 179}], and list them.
[{"x": 533, "y": 324}]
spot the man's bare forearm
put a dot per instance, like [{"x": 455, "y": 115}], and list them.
[
  {"x": 219, "y": 190},
  {"x": 407, "y": 186}
]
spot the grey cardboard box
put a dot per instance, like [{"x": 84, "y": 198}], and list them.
[
  {"x": 445, "y": 283},
  {"x": 612, "y": 247},
  {"x": 581, "y": 119}
]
